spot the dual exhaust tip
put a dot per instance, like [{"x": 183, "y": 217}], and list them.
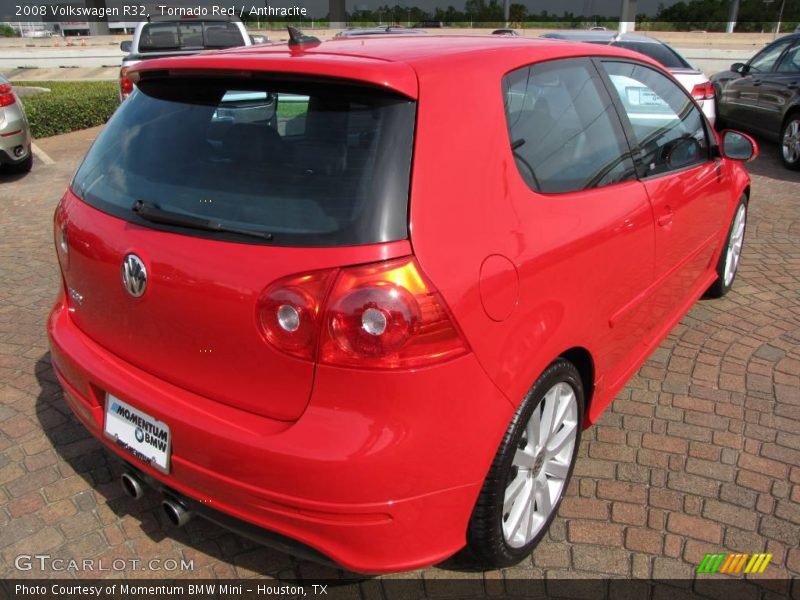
[{"x": 175, "y": 511}]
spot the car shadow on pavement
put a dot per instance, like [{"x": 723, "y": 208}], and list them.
[
  {"x": 11, "y": 177},
  {"x": 768, "y": 163},
  {"x": 216, "y": 552}
]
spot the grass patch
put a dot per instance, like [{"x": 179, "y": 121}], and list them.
[
  {"x": 69, "y": 106},
  {"x": 289, "y": 110}
]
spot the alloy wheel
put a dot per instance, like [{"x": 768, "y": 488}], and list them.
[
  {"x": 541, "y": 465},
  {"x": 734, "y": 251},
  {"x": 790, "y": 144}
]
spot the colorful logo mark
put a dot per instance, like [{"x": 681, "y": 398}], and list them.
[{"x": 734, "y": 564}]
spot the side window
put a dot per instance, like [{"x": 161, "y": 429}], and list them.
[
  {"x": 564, "y": 132},
  {"x": 765, "y": 60},
  {"x": 790, "y": 63},
  {"x": 667, "y": 126}
]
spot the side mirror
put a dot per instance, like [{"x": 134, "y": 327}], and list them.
[
  {"x": 683, "y": 152},
  {"x": 740, "y": 68},
  {"x": 258, "y": 39},
  {"x": 126, "y": 46},
  {"x": 738, "y": 146}
]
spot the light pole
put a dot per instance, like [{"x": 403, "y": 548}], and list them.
[{"x": 780, "y": 18}]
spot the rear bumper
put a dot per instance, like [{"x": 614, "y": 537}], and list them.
[
  {"x": 9, "y": 143},
  {"x": 379, "y": 474}
]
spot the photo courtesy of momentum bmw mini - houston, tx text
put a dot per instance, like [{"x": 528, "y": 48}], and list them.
[{"x": 301, "y": 297}]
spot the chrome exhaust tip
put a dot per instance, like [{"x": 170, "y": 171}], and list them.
[
  {"x": 176, "y": 512},
  {"x": 132, "y": 485}
]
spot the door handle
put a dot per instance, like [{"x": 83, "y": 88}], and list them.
[{"x": 665, "y": 219}]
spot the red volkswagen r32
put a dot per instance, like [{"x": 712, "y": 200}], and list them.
[{"x": 359, "y": 298}]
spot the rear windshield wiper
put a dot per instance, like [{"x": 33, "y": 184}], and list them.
[{"x": 155, "y": 214}]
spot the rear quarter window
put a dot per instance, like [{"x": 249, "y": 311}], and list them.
[
  {"x": 310, "y": 164},
  {"x": 563, "y": 129}
]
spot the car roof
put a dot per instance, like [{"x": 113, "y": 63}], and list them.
[
  {"x": 583, "y": 35},
  {"x": 394, "y": 62}
]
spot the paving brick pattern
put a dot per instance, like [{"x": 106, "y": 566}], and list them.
[{"x": 699, "y": 453}]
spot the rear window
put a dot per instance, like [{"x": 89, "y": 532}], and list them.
[
  {"x": 658, "y": 52},
  {"x": 189, "y": 35},
  {"x": 305, "y": 164}
]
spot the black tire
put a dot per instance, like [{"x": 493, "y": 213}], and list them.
[
  {"x": 793, "y": 120},
  {"x": 719, "y": 288},
  {"x": 486, "y": 541},
  {"x": 21, "y": 167}
]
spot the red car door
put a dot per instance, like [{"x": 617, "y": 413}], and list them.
[
  {"x": 585, "y": 243},
  {"x": 685, "y": 184}
]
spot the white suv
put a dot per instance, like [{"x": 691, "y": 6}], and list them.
[{"x": 158, "y": 38}]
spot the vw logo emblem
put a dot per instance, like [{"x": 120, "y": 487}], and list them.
[{"x": 134, "y": 275}]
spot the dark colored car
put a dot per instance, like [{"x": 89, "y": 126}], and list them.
[{"x": 762, "y": 96}]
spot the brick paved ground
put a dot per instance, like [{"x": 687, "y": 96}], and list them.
[{"x": 700, "y": 452}]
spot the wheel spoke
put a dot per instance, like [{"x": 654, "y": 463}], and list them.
[
  {"x": 562, "y": 439},
  {"x": 534, "y": 522},
  {"x": 532, "y": 429},
  {"x": 524, "y": 458},
  {"x": 513, "y": 491},
  {"x": 548, "y": 414},
  {"x": 544, "y": 504},
  {"x": 519, "y": 509},
  {"x": 556, "y": 470}
]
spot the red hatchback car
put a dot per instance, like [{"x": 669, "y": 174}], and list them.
[{"x": 364, "y": 295}]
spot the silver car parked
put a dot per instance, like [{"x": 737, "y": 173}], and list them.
[{"x": 15, "y": 134}]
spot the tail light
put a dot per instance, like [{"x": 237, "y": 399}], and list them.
[
  {"x": 60, "y": 238},
  {"x": 125, "y": 84},
  {"x": 7, "y": 97},
  {"x": 385, "y": 315},
  {"x": 703, "y": 91},
  {"x": 290, "y": 310}
]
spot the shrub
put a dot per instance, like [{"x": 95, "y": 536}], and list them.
[
  {"x": 69, "y": 106},
  {"x": 7, "y": 30}
]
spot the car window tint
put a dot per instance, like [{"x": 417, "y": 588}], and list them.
[
  {"x": 314, "y": 163},
  {"x": 563, "y": 130},
  {"x": 765, "y": 60},
  {"x": 790, "y": 63},
  {"x": 667, "y": 126},
  {"x": 188, "y": 35}
]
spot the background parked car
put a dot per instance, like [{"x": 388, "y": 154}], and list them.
[
  {"x": 357, "y": 31},
  {"x": 160, "y": 38},
  {"x": 695, "y": 82},
  {"x": 762, "y": 96},
  {"x": 15, "y": 134}
]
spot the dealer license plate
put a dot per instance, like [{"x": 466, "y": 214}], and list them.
[{"x": 143, "y": 436}]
